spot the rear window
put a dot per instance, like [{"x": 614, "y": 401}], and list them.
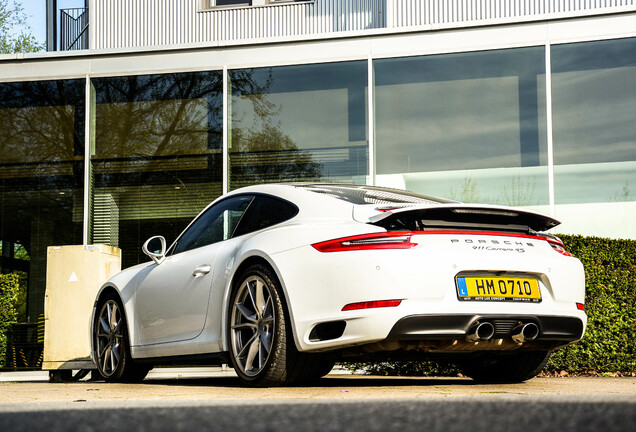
[{"x": 371, "y": 194}]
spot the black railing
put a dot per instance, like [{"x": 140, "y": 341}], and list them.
[{"x": 73, "y": 29}]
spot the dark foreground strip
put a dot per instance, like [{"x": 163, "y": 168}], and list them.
[{"x": 466, "y": 414}]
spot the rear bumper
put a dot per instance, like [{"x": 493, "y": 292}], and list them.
[
  {"x": 450, "y": 335},
  {"x": 443, "y": 327}
]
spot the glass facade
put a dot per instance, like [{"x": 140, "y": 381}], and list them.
[
  {"x": 468, "y": 126},
  {"x": 299, "y": 123},
  {"x": 594, "y": 108},
  {"x": 41, "y": 179},
  {"x": 157, "y": 158}
]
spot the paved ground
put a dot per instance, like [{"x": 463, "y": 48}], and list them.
[
  {"x": 201, "y": 384},
  {"x": 529, "y": 414},
  {"x": 213, "y": 399}
]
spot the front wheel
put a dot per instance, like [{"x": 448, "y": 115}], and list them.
[
  {"x": 261, "y": 343},
  {"x": 110, "y": 344},
  {"x": 506, "y": 368}
]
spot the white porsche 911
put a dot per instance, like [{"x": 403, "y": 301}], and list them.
[{"x": 281, "y": 281}]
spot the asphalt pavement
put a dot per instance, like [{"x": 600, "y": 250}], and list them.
[
  {"x": 437, "y": 414},
  {"x": 212, "y": 399}
]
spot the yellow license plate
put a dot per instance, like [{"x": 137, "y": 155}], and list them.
[{"x": 498, "y": 288}]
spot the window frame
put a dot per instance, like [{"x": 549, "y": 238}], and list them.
[{"x": 210, "y": 5}]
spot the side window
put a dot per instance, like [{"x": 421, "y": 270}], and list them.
[
  {"x": 264, "y": 212},
  {"x": 215, "y": 225}
]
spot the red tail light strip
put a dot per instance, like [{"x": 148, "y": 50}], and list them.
[
  {"x": 372, "y": 304},
  {"x": 389, "y": 240},
  {"x": 402, "y": 240}
]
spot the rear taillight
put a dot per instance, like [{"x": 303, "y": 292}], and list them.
[
  {"x": 389, "y": 240},
  {"x": 372, "y": 304},
  {"x": 558, "y": 246},
  {"x": 580, "y": 306}
]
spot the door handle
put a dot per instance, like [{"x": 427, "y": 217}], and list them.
[{"x": 202, "y": 270}]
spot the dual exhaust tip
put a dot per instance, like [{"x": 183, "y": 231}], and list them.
[{"x": 485, "y": 330}]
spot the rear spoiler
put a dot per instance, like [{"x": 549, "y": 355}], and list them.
[{"x": 455, "y": 215}]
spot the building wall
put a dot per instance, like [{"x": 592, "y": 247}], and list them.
[
  {"x": 403, "y": 13},
  {"x": 122, "y": 23},
  {"x": 145, "y": 23},
  {"x": 115, "y": 147}
]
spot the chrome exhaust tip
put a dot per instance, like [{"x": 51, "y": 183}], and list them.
[
  {"x": 525, "y": 333},
  {"x": 480, "y": 332}
]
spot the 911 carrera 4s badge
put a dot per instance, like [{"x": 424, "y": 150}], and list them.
[{"x": 496, "y": 288}]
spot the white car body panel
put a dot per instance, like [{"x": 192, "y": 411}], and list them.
[
  {"x": 424, "y": 281},
  {"x": 174, "y": 300}
]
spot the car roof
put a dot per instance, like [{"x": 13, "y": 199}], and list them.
[
  {"x": 349, "y": 193},
  {"x": 362, "y": 194}
]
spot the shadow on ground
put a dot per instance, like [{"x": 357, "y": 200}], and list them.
[{"x": 327, "y": 382}]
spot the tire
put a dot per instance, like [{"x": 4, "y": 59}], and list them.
[
  {"x": 261, "y": 343},
  {"x": 506, "y": 368},
  {"x": 111, "y": 347},
  {"x": 321, "y": 367}
]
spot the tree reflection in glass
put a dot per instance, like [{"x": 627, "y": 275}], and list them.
[
  {"x": 157, "y": 160},
  {"x": 41, "y": 179},
  {"x": 298, "y": 123}
]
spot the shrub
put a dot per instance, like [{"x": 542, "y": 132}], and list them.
[
  {"x": 9, "y": 287},
  {"x": 609, "y": 344}
]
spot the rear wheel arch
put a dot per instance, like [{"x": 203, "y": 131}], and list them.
[
  {"x": 233, "y": 285},
  {"x": 259, "y": 333}
]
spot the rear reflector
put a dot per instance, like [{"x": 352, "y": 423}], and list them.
[
  {"x": 389, "y": 240},
  {"x": 580, "y": 306},
  {"x": 372, "y": 304}
]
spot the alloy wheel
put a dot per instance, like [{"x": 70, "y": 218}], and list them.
[
  {"x": 109, "y": 338},
  {"x": 252, "y": 325}
]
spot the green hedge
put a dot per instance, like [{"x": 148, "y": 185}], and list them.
[
  {"x": 609, "y": 344},
  {"x": 9, "y": 287}
]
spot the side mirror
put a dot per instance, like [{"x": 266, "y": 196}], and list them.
[{"x": 155, "y": 248}]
